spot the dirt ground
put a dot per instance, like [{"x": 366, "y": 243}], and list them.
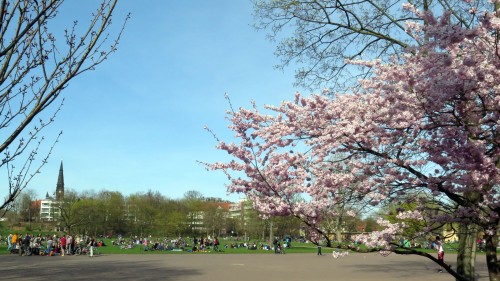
[{"x": 229, "y": 267}]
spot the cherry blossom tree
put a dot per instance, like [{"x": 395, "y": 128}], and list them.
[
  {"x": 426, "y": 121},
  {"x": 280, "y": 182}
]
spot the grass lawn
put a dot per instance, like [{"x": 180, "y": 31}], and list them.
[
  {"x": 297, "y": 247},
  {"x": 139, "y": 249}
]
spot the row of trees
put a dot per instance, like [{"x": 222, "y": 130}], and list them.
[{"x": 109, "y": 212}]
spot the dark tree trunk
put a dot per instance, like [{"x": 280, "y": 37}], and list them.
[{"x": 491, "y": 256}]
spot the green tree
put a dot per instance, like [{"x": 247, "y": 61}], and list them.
[
  {"x": 114, "y": 210},
  {"x": 371, "y": 224},
  {"x": 287, "y": 226},
  {"x": 177, "y": 224},
  {"x": 256, "y": 226},
  {"x": 84, "y": 216},
  {"x": 26, "y": 206},
  {"x": 145, "y": 214},
  {"x": 68, "y": 206},
  {"x": 194, "y": 202},
  {"x": 214, "y": 219}
]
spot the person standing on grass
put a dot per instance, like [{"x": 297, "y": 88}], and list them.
[
  {"x": 275, "y": 245},
  {"x": 9, "y": 242},
  {"x": 62, "y": 243},
  {"x": 195, "y": 244},
  {"x": 20, "y": 243},
  {"x": 14, "y": 241},
  {"x": 216, "y": 244},
  {"x": 26, "y": 245},
  {"x": 69, "y": 244}
]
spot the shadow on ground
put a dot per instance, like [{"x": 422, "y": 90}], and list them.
[
  {"x": 83, "y": 268},
  {"x": 402, "y": 269}
]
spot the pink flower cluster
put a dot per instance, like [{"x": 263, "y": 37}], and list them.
[
  {"x": 384, "y": 238},
  {"x": 338, "y": 254}
]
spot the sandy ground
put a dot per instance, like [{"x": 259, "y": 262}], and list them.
[{"x": 229, "y": 267}]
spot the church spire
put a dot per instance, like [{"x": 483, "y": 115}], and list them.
[{"x": 60, "y": 184}]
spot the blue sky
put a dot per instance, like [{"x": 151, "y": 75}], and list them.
[{"x": 136, "y": 122}]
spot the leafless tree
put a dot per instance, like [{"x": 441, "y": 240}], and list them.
[
  {"x": 36, "y": 65},
  {"x": 319, "y": 35}
]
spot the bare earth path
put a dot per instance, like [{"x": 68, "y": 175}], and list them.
[{"x": 240, "y": 267}]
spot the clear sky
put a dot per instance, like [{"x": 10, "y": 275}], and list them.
[{"x": 136, "y": 122}]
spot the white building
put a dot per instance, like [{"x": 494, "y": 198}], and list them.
[{"x": 49, "y": 210}]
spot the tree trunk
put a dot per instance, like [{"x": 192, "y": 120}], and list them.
[
  {"x": 328, "y": 241},
  {"x": 466, "y": 258},
  {"x": 338, "y": 235},
  {"x": 271, "y": 233},
  {"x": 491, "y": 256},
  {"x": 338, "y": 228}
]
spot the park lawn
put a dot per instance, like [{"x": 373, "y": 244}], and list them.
[
  {"x": 297, "y": 247},
  {"x": 139, "y": 249}
]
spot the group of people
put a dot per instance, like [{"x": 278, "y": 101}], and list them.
[
  {"x": 24, "y": 245},
  {"x": 50, "y": 245},
  {"x": 278, "y": 248},
  {"x": 150, "y": 244},
  {"x": 202, "y": 244},
  {"x": 197, "y": 244}
]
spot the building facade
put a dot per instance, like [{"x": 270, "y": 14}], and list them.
[
  {"x": 49, "y": 207},
  {"x": 49, "y": 210}
]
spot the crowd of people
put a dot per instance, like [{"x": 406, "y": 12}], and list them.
[
  {"x": 178, "y": 244},
  {"x": 49, "y": 245},
  {"x": 149, "y": 244},
  {"x": 194, "y": 244}
]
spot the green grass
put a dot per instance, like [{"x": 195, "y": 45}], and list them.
[
  {"x": 139, "y": 249},
  {"x": 306, "y": 248}
]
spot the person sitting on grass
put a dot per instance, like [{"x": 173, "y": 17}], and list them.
[{"x": 216, "y": 244}]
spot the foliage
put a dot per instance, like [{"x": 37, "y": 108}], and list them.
[
  {"x": 143, "y": 214},
  {"x": 414, "y": 227}
]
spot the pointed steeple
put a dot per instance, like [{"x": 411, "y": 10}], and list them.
[{"x": 60, "y": 184}]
